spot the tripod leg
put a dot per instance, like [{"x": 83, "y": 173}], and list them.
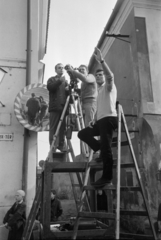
[
  {"x": 84, "y": 146},
  {"x": 53, "y": 145}
]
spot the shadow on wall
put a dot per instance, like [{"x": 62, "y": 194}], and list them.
[{"x": 150, "y": 158}]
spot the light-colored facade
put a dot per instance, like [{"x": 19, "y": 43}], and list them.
[
  {"x": 136, "y": 62},
  {"x": 24, "y": 29}
]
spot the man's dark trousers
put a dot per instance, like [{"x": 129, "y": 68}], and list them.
[
  {"x": 103, "y": 128},
  {"x": 54, "y": 120}
]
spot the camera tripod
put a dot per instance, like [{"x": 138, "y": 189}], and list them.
[{"x": 70, "y": 126}]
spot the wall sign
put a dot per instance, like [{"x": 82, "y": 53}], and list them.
[
  {"x": 31, "y": 107},
  {"x": 6, "y": 136}
]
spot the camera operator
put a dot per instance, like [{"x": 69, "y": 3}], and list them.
[
  {"x": 88, "y": 91},
  {"x": 58, "y": 90}
]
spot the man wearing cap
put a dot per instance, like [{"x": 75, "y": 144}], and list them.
[
  {"x": 56, "y": 207},
  {"x": 15, "y": 218}
]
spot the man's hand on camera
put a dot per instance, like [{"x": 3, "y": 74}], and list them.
[
  {"x": 91, "y": 123},
  {"x": 69, "y": 68}
]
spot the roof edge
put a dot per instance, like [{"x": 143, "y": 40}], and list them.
[{"x": 107, "y": 28}]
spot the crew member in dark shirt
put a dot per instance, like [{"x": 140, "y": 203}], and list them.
[
  {"x": 56, "y": 207},
  {"x": 58, "y": 90},
  {"x": 33, "y": 105}
]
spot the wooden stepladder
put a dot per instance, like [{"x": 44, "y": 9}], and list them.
[
  {"x": 116, "y": 214},
  {"x": 56, "y": 158}
]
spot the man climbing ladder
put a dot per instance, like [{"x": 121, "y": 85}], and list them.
[{"x": 105, "y": 122}]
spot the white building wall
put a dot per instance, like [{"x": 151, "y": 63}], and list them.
[
  {"x": 13, "y": 19},
  {"x": 13, "y": 42}
]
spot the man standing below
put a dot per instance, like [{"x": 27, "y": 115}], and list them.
[
  {"x": 105, "y": 124},
  {"x": 15, "y": 218},
  {"x": 88, "y": 91},
  {"x": 33, "y": 108},
  {"x": 58, "y": 90},
  {"x": 56, "y": 208}
]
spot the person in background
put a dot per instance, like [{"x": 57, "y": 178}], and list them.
[
  {"x": 33, "y": 108},
  {"x": 102, "y": 204},
  {"x": 88, "y": 91},
  {"x": 43, "y": 110},
  {"x": 56, "y": 207},
  {"x": 15, "y": 217},
  {"x": 104, "y": 124},
  {"x": 102, "y": 200},
  {"x": 58, "y": 90}
]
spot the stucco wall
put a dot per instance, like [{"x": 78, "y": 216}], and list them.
[
  {"x": 13, "y": 42},
  {"x": 12, "y": 60},
  {"x": 152, "y": 15}
]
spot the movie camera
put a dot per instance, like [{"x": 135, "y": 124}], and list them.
[{"x": 73, "y": 80}]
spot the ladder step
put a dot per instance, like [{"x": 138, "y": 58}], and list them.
[
  {"x": 125, "y": 165},
  {"x": 112, "y": 187},
  {"x": 81, "y": 234},
  {"x": 136, "y": 236},
  {"x": 130, "y": 115},
  {"x": 133, "y": 212},
  {"x": 130, "y": 131},
  {"x": 77, "y": 166},
  {"x": 65, "y": 166},
  {"x": 97, "y": 215},
  {"x": 107, "y": 187},
  {"x": 123, "y": 143},
  {"x": 99, "y": 166}
]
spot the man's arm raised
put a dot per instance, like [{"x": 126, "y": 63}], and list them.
[
  {"x": 87, "y": 79},
  {"x": 107, "y": 71}
]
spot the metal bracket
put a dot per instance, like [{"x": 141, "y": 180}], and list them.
[{"x": 117, "y": 36}]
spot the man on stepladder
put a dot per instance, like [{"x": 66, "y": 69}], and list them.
[
  {"x": 104, "y": 124},
  {"x": 58, "y": 90}
]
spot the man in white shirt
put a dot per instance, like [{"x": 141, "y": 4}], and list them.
[{"x": 105, "y": 122}]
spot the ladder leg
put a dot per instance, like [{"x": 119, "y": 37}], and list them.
[
  {"x": 83, "y": 196},
  {"x": 138, "y": 173},
  {"x": 53, "y": 145},
  {"x": 118, "y": 175},
  {"x": 84, "y": 146},
  {"x": 77, "y": 174}
]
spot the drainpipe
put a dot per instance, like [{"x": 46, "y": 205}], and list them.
[{"x": 28, "y": 81}]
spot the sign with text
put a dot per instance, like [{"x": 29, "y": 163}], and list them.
[{"x": 6, "y": 136}]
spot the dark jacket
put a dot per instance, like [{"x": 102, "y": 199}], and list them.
[
  {"x": 34, "y": 106},
  {"x": 57, "y": 93},
  {"x": 16, "y": 218},
  {"x": 56, "y": 209}
]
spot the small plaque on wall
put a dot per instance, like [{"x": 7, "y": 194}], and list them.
[{"x": 6, "y": 136}]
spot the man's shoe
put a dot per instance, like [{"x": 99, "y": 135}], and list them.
[
  {"x": 62, "y": 148},
  {"x": 97, "y": 157},
  {"x": 101, "y": 182}
]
